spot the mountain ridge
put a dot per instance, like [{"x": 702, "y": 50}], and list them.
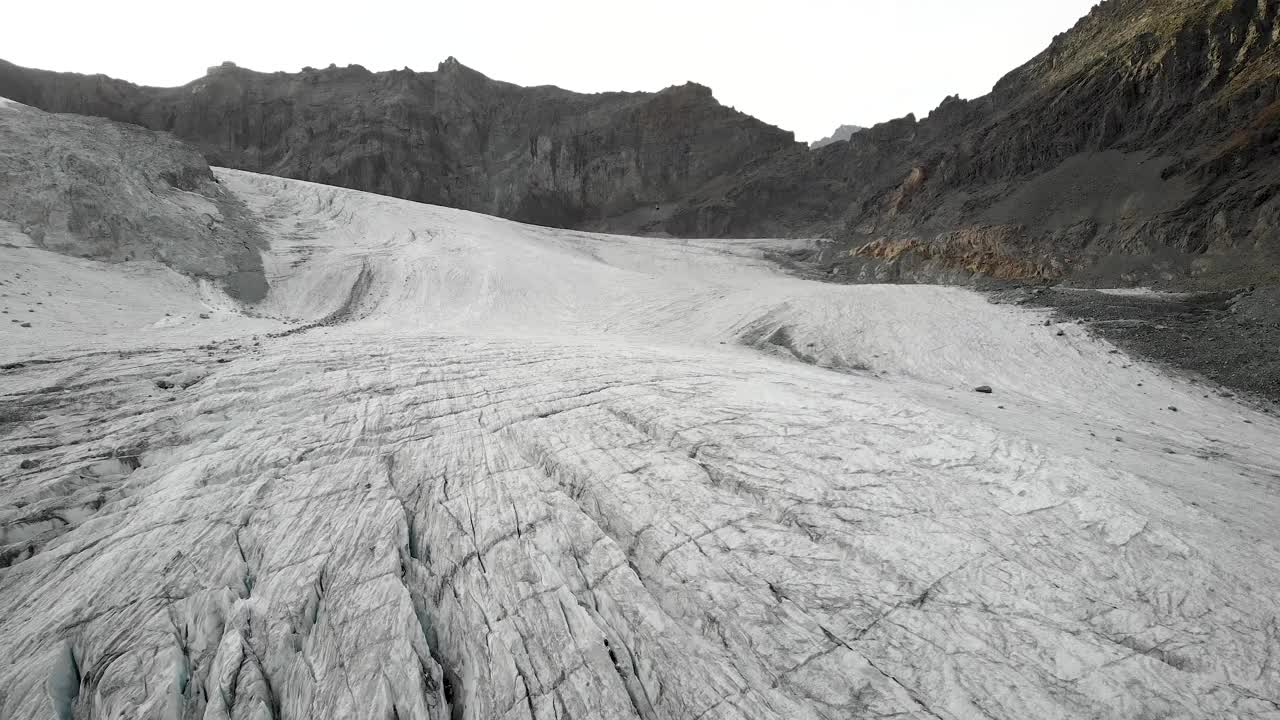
[
  {"x": 453, "y": 137},
  {"x": 1140, "y": 147}
]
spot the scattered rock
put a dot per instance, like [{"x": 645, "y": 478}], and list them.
[
  {"x": 28, "y": 464},
  {"x": 985, "y": 389},
  {"x": 1242, "y": 357},
  {"x": 1173, "y": 409},
  {"x": 204, "y": 316},
  {"x": 164, "y": 384},
  {"x": 26, "y": 325}
]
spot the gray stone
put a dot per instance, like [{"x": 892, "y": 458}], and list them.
[{"x": 119, "y": 193}]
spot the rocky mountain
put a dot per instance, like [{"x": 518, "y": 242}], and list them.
[
  {"x": 1141, "y": 146},
  {"x": 93, "y": 188},
  {"x": 842, "y": 133},
  {"x": 451, "y": 137}
]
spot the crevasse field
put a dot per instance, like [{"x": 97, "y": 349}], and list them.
[{"x": 458, "y": 467}]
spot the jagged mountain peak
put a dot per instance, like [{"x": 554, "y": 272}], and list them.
[{"x": 451, "y": 64}]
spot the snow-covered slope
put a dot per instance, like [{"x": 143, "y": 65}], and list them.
[{"x": 456, "y": 467}]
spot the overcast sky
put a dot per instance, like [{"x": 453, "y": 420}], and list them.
[{"x": 805, "y": 65}]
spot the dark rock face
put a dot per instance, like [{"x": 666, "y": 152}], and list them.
[
  {"x": 453, "y": 137},
  {"x": 108, "y": 191}
]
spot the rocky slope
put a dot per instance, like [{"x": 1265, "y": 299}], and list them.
[
  {"x": 453, "y": 137},
  {"x": 1142, "y": 145},
  {"x": 93, "y": 188}
]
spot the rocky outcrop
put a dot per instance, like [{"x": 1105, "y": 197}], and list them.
[
  {"x": 452, "y": 137},
  {"x": 97, "y": 189},
  {"x": 842, "y": 133}
]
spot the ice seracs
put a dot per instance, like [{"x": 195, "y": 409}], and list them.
[{"x": 456, "y": 467}]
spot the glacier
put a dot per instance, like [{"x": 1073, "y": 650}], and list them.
[{"x": 457, "y": 467}]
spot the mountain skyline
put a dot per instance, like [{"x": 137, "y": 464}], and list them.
[
  {"x": 1058, "y": 173},
  {"x": 809, "y": 67}
]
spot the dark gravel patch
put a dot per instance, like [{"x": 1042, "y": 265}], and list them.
[{"x": 1231, "y": 339}]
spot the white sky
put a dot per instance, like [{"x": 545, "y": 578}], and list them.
[{"x": 805, "y": 65}]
